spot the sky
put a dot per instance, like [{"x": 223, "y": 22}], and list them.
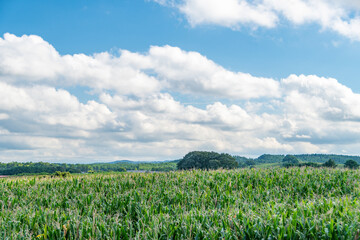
[{"x": 97, "y": 81}]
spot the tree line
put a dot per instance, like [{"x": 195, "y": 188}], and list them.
[
  {"x": 314, "y": 158},
  {"x": 193, "y": 160},
  {"x": 30, "y": 168},
  {"x": 292, "y": 161}
]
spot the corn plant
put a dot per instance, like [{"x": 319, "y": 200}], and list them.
[{"x": 300, "y": 203}]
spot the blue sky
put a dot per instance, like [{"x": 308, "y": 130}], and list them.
[
  {"x": 287, "y": 69},
  {"x": 96, "y": 26}
]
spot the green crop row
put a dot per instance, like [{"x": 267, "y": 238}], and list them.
[{"x": 239, "y": 204}]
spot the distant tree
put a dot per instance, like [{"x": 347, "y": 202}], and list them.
[
  {"x": 207, "y": 160},
  {"x": 290, "y": 159},
  {"x": 309, "y": 164},
  {"x": 244, "y": 161},
  {"x": 351, "y": 164},
  {"x": 214, "y": 164},
  {"x": 330, "y": 164},
  {"x": 61, "y": 174},
  {"x": 250, "y": 162},
  {"x": 268, "y": 158},
  {"x": 242, "y": 165},
  {"x": 288, "y": 165}
]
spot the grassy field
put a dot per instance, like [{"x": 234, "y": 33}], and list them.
[{"x": 297, "y": 203}]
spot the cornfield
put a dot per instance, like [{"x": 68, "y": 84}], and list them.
[{"x": 279, "y": 203}]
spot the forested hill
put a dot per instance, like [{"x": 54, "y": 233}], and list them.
[
  {"x": 316, "y": 158},
  {"x": 321, "y": 158}
]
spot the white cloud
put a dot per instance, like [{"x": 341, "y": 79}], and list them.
[
  {"x": 338, "y": 16},
  {"x": 3, "y": 116},
  {"x": 321, "y": 97},
  {"x": 54, "y": 107},
  {"x": 30, "y": 59},
  {"x": 348, "y": 4},
  {"x": 191, "y": 72},
  {"x": 147, "y": 117},
  {"x": 228, "y": 13},
  {"x": 321, "y": 109}
]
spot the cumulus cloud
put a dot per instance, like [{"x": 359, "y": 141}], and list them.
[
  {"x": 324, "y": 97},
  {"x": 51, "y": 106},
  {"x": 30, "y": 59},
  {"x": 320, "y": 110},
  {"x": 138, "y": 111},
  {"x": 228, "y": 13},
  {"x": 338, "y": 16},
  {"x": 191, "y": 72}
]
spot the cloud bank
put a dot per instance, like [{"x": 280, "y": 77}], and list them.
[
  {"x": 339, "y": 16},
  {"x": 138, "y": 107}
]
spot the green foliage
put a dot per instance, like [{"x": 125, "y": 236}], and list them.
[
  {"x": 15, "y": 168},
  {"x": 297, "y": 203},
  {"x": 321, "y": 158},
  {"x": 330, "y": 163},
  {"x": 309, "y": 164},
  {"x": 315, "y": 158},
  {"x": 269, "y": 158},
  {"x": 244, "y": 162},
  {"x": 290, "y": 159},
  {"x": 61, "y": 174},
  {"x": 288, "y": 165},
  {"x": 206, "y": 160},
  {"x": 247, "y": 163},
  {"x": 250, "y": 162},
  {"x": 240, "y": 159},
  {"x": 41, "y": 168},
  {"x": 162, "y": 169},
  {"x": 351, "y": 164}
]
